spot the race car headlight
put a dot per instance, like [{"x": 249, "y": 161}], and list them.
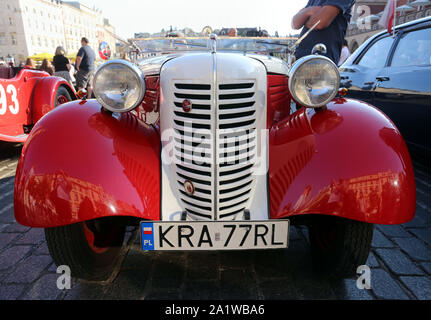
[
  {"x": 119, "y": 86},
  {"x": 314, "y": 81}
]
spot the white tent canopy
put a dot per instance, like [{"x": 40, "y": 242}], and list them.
[
  {"x": 419, "y": 3},
  {"x": 405, "y": 8}
]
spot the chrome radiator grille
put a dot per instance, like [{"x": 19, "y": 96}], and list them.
[
  {"x": 193, "y": 147},
  {"x": 236, "y": 146},
  {"x": 215, "y": 147}
]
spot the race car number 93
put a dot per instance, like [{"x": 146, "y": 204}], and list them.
[{"x": 4, "y": 105}]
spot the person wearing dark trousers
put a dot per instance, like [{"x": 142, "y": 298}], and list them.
[
  {"x": 334, "y": 17},
  {"x": 85, "y": 67}
]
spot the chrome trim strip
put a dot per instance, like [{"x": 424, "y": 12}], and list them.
[{"x": 214, "y": 132}]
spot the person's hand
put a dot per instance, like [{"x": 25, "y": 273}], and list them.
[{"x": 311, "y": 11}]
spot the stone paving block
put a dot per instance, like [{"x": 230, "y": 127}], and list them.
[
  {"x": 398, "y": 262},
  {"x": 6, "y": 214},
  {"x": 202, "y": 266},
  {"x": 168, "y": 270},
  {"x": 3, "y": 226},
  {"x": 420, "y": 286},
  {"x": 236, "y": 259},
  {"x": 12, "y": 255},
  {"x": 33, "y": 236},
  {"x": 274, "y": 263},
  {"x": 414, "y": 248},
  {"x": 385, "y": 287},
  {"x": 201, "y": 290},
  {"x": 16, "y": 228},
  {"x": 43, "y": 289},
  {"x": 29, "y": 269},
  {"x": 6, "y": 239},
  {"x": 283, "y": 289},
  {"x": 81, "y": 290},
  {"x": 348, "y": 290},
  {"x": 11, "y": 292},
  {"x": 128, "y": 285},
  {"x": 424, "y": 234},
  {"x": 427, "y": 266},
  {"x": 312, "y": 287},
  {"x": 42, "y": 249},
  {"x": 393, "y": 231},
  {"x": 380, "y": 241},
  {"x": 372, "y": 261},
  {"x": 137, "y": 259},
  {"x": 237, "y": 284},
  {"x": 423, "y": 211},
  {"x": 417, "y": 222}
]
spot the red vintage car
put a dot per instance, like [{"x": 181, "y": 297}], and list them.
[
  {"x": 26, "y": 95},
  {"x": 213, "y": 149}
]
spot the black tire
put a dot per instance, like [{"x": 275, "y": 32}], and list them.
[
  {"x": 69, "y": 246},
  {"x": 61, "y": 92},
  {"x": 339, "y": 246}
]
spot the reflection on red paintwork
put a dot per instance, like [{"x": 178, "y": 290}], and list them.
[
  {"x": 346, "y": 161},
  {"x": 115, "y": 172}
]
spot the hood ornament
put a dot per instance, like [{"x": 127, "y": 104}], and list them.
[{"x": 213, "y": 43}]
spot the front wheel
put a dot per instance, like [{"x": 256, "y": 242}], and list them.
[
  {"x": 339, "y": 246},
  {"x": 62, "y": 95},
  {"x": 90, "y": 249}
]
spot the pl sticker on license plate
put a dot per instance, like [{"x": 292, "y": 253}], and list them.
[{"x": 214, "y": 235}]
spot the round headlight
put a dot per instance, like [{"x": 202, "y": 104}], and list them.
[
  {"x": 119, "y": 85},
  {"x": 314, "y": 81}
]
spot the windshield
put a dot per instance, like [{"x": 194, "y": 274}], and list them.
[{"x": 158, "y": 46}]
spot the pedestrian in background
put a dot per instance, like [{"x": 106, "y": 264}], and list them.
[
  {"x": 334, "y": 16},
  {"x": 29, "y": 64},
  {"x": 85, "y": 67},
  {"x": 62, "y": 64},
  {"x": 345, "y": 53},
  {"x": 47, "y": 67}
]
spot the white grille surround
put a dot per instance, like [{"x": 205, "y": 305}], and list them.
[{"x": 220, "y": 146}]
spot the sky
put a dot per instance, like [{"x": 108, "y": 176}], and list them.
[{"x": 130, "y": 16}]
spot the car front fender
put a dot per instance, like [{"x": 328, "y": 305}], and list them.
[
  {"x": 348, "y": 160},
  {"x": 80, "y": 163}
]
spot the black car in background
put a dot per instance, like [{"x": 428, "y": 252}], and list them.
[{"x": 394, "y": 74}]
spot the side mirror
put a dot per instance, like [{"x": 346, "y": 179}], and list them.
[{"x": 319, "y": 49}]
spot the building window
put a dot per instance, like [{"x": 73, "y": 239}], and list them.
[
  {"x": 10, "y": 21},
  {"x": 2, "y": 38},
  {"x": 13, "y": 38}
]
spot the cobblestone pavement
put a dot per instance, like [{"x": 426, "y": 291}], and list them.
[{"x": 400, "y": 262}]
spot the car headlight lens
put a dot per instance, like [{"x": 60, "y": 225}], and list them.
[
  {"x": 119, "y": 86},
  {"x": 314, "y": 81}
]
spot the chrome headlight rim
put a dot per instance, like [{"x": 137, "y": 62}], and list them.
[
  {"x": 139, "y": 77},
  {"x": 301, "y": 62}
]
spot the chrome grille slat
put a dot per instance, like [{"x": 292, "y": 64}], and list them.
[
  {"x": 193, "y": 147},
  {"x": 237, "y": 146},
  {"x": 222, "y": 127}
]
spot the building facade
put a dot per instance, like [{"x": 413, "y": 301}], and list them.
[
  {"x": 29, "y": 27},
  {"x": 366, "y": 15}
]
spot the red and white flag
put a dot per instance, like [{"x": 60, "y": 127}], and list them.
[
  {"x": 388, "y": 16},
  {"x": 148, "y": 230}
]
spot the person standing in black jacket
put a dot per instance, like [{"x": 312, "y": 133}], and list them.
[{"x": 62, "y": 65}]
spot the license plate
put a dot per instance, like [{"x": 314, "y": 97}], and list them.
[{"x": 214, "y": 235}]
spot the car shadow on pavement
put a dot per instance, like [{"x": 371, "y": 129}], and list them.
[{"x": 240, "y": 275}]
